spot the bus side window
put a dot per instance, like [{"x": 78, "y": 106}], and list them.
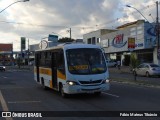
[
  {"x": 48, "y": 59},
  {"x": 42, "y": 59},
  {"x": 36, "y": 59},
  {"x": 60, "y": 62}
]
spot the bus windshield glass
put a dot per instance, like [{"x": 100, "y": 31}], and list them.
[{"x": 85, "y": 61}]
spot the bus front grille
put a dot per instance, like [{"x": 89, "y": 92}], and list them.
[{"x": 90, "y": 82}]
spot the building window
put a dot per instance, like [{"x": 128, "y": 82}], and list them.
[
  {"x": 93, "y": 40},
  {"x": 89, "y": 40},
  {"x": 139, "y": 32},
  {"x": 133, "y": 29},
  {"x": 133, "y": 33},
  {"x": 105, "y": 43},
  {"x": 98, "y": 40},
  {"x": 139, "y": 28}
]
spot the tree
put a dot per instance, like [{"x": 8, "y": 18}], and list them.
[
  {"x": 134, "y": 61},
  {"x": 65, "y": 39}
]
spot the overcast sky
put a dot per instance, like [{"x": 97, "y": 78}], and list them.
[{"x": 38, "y": 18}]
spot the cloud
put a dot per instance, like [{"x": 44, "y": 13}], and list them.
[{"x": 38, "y": 18}]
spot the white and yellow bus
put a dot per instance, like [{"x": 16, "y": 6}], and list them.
[{"x": 72, "y": 68}]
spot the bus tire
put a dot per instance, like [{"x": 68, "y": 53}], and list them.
[
  {"x": 62, "y": 91},
  {"x": 43, "y": 85}
]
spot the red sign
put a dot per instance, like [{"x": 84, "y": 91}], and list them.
[
  {"x": 119, "y": 39},
  {"x": 6, "y": 47},
  {"x": 131, "y": 44}
]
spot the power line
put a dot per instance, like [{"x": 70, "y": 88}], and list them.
[
  {"x": 78, "y": 27},
  {"x": 132, "y": 13}
]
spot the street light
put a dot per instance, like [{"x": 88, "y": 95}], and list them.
[
  {"x": 69, "y": 33},
  {"x": 12, "y": 4},
  {"x": 137, "y": 11},
  {"x": 151, "y": 17}
]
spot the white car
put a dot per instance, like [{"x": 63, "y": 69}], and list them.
[
  {"x": 147, "y": 69},
  {"x": 111, "y": 63}
]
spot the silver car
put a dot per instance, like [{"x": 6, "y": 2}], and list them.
[{"x": 147, "y": 69}]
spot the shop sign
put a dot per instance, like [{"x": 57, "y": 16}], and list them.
[
  {"x": 53, "y": 38},
  {"x": 139, "y": 45},
  {"x": 118, "y": 41},
  {"x": 152, "y": 31},
  {"x": 131, "y": 44}
]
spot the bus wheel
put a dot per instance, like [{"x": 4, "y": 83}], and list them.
[
  {"x": 43, "y": 85},
  {"x": 62, "y": 91},
  {"x": 97, "y": 93}
]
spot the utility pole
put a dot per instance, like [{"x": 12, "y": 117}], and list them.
[
  {"x": 28, "y": 51},
  {"x": 157, "y": 31},
  {"x": 70, "y": 34}
]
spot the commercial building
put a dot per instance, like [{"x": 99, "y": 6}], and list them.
[
  {"x": 95, "y": 36},
  {"x": 115, "y": 43},
  {"x": 6, "y": 54}
]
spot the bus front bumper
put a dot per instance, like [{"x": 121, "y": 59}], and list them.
[{"x": 75, "y": 89}]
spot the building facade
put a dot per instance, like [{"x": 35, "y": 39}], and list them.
[
  {"x": 95, "y": 36},
  {"x": 116, "y": 43},
  {"x": 6, "y": 54}
]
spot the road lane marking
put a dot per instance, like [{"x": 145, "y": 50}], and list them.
[
  {"x": 111, "y": 94},
  {"x": 3, "y": 102},
  {"x": 4, "y": 76},
  {"x": 4, "y": 105},
  {"x": 13, "y": 102}
]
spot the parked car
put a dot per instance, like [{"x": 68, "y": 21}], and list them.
[
  {"x": 111, "y": 63},
  {"x": 147, "y": 69},
  {"x": 2, "y": 68}
]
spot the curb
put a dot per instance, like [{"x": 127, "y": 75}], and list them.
[{"x": 138, "y": 83}]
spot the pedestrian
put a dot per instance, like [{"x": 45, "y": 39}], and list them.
[{"x": 118, "y": 64}]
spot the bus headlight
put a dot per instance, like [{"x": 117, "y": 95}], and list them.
[
  {"x": 105, "y": 81},
  {"x": 72, "y": 83}
]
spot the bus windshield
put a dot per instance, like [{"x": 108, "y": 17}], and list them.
[{"x": 85, "y": 61}]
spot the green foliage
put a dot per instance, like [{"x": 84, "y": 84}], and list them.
[
  {"x": 65, "y": 39},
  {"x": 134, "y": 62}
]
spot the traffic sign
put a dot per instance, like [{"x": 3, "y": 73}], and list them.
[
  {"x": 23, "y": 43},
  {"x": 43, "y": 44}
]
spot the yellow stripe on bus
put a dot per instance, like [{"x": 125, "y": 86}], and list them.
[
  {"x": 51, "y": 86},
  {"x": 61, "y": 75},
  {"x": 48, "y": 71}
]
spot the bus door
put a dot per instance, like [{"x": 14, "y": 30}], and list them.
[
  {"x": 37, "y": 65},
  {"x": 54, "y": 69}
]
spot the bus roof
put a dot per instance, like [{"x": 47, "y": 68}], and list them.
[{"x": 66, "y": 46}]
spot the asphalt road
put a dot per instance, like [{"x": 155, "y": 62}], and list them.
[{"x": 19, "y": 92}]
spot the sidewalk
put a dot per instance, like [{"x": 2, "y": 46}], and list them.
[
  {"x": 124, "y": 75},
  {"x": 29, "y": 68},
  {"x": 123, "y": 69}
]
